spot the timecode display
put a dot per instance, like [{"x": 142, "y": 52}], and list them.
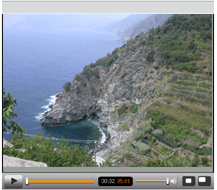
[{"x": 115, "y": 181}]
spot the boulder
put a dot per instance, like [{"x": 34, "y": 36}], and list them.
[
  {"x": 6, "y": 143},
  {"x": 17, "y": 162}
]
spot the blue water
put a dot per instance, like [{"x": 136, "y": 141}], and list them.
[{"x": 36, "y": 65}]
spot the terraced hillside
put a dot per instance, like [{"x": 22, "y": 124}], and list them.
[{"x": 178, "y": 122}]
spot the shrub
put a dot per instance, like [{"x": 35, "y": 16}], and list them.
[
  {"x": 78, "y": 89},
  {"x": 169, "y": 79},
  {"x": 67, "y": 86},
  {"x": 134, "y": 107},
  {"x": 122, "y": 109},
  {"x": 195, "y": 162},
  {"x": 40, "y": 149},
  {"x": 150, "y": 56},
  {"x": 205, "y": 161},
  {"x": 8, "y": 114},
  {"x": 159, "y": 132},
  {"x": 158, "y": 118}
]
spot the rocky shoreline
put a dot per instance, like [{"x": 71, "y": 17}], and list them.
[{"x": 101, "y": 148}]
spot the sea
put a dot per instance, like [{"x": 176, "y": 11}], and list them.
[{"x": 37, "y": 64}]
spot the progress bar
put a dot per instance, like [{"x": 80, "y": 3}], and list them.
[{"x": 28, "y": 181}]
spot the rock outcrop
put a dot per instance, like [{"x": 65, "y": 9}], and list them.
[
  {"x": 17, "y": 162},
  {"x": 6, "y": 143}
]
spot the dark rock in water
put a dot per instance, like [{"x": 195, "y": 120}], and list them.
[{"x": 51, "y": 106}]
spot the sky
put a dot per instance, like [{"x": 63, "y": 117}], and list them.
[{"x": 104, "y": 19}]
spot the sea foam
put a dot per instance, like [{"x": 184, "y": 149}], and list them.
[
  {"x": 103, "y": 138},
  {"x": 51, "y": 101}
]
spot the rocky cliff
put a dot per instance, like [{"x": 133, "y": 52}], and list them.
[{"x": 100, "y": 89}]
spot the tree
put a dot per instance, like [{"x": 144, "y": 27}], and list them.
[
  {"x": 195, "y": 161},
  {"x": 205, "y": 161},
  {"x": 8, "y": 114},
  {"x": 67, "y": 86}
]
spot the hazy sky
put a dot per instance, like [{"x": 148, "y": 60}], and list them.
[{"x": 11, "y": 19}]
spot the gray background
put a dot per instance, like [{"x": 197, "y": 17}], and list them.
[{"x": 119, "y": 7}]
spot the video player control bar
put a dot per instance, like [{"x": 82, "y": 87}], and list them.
[{"x": 108, "y": 181}]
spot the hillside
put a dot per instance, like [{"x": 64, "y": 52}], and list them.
[
  {"x": 153, "y": 96},
  {"x": 126, "y": 23},
  {"x": 144, "y": 25}
]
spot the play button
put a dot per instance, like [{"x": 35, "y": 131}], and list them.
[{"x": 13, "y": 181}]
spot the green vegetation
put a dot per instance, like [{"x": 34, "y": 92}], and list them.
[
  {"x": 181, "y": 87},
  {"x": 142, "y": 148},
  {"x": 203, "y": 90},
  {"x": 205, "y": 85},
  {"x": 150, "y": 56},
  {"x": 122, "y": 109},
  {"x": 202, "y": 96},
  {"x": 67, "y": 86},
  {"x": 43, "y": 150},
  {"x": 88, "y": 72},
  {"x": 174, "y": 161},
  {"x": 195, "y": 161},
  {"x": 133, "y": 108},
  {"x": 84, "y": 84},
  {"x": 78, "y": 89},
  {"x": 200, "y": 151},
  {"x": 185, "y": 83},
  {"x": 205, "y": 161},
  {"x": 180, "y": 91},
  {"x": 123, "y": 127},
  {"x": 176, "y": 123},
  {"x": 181, "y": 40},
  {"x": 107, "y": 60},
  {"x": 8, "y": 114}
]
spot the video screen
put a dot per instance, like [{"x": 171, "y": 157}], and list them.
[{"x": 107, "y": 90}]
